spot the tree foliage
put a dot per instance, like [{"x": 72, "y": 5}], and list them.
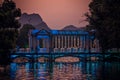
[
  {"x": 8, "y": 27},
  {"x": 105, "y": 19},
  {"x": 22, "y": 40}
]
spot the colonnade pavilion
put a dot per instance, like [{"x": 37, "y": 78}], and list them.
[{"x": 60, "y": 41}]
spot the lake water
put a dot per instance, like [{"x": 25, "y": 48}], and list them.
[{"x": 90, "y": 70}]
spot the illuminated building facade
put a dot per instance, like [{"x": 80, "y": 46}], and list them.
[{"x": 60, "y": 41}]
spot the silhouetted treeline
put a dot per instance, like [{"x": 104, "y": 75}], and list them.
[
  {"x": 23, "y": 38},
  {"x": 104, "y": 18},
  {"x": 8, "y": 29}
]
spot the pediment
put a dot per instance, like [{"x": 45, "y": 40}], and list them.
[{"x": 43, "y": 32}]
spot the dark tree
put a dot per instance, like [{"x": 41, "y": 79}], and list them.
[
  {"x": 8, "y": 29},
  {"x": 22, "y": 40},
  {"x": 104, "y": 17}
]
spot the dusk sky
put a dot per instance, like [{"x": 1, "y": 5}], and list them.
[{"x": 57, "y": 13}]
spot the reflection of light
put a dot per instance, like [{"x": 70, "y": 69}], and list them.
[
  {"x": 61, "y": 71},
  {"x": 42, "y": 71},
  {"x": 92, "y": 67},
  {"x": 67, "y": 59},
  {"x": 27, "y": 66},
  {"x": 13, "y": 68},
  {"x": 21, "y": 73},
  {"x": 67, "y": 72},
  {"x": 24, "y": 72}
]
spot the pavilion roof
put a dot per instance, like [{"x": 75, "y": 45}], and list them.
[
  {"x": 69, "y": 32},
  {"x": 59, "y": 32}
]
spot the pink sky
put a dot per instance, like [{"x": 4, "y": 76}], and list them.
[{"x": 57, "y": 13}]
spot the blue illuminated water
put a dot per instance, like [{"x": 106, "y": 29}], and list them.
[{"x": 90, "y": 70}]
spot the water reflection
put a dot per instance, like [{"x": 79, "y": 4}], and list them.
[
  {"x": 29, "y": 71},
  {"x": 65, "y": 71}
]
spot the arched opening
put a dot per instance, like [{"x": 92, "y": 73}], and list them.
[
  {"x": 21, "y": 60},
  {"x": 93, "y": 58},
  {"x": 43, "y": 43},
  {"x": 43, "y": 59}
]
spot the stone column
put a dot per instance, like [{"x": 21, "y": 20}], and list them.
[
  {"x": 38, "y": 43},
  {"x": 84, "y": 42},
  {"x": 47, "y": 45},
  {"x": 65, "y": 42},
  {"x": 62, "y": 41},
  {"x": 33, "y": 40},
  {"x": 90, "y": 44},
  {"x": 78, "y": 41},
  {"x": 58, "y": 41},
  {"x": 81, "y": 41},
  {"x": 74, "y": 41},
  {"x": 29, "y": 39},
  {"x": 68, "y": 43},
  {"x": 35, "y": 44},
  {"x": 71, "y": 44},
  {"x": 98, "y": 45},
  {"x": 55, "y": 41},
  {"x": 30, "y": 42},
  {"x": 87, "y": 42},
  {"x": 43, "y": 43}
]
